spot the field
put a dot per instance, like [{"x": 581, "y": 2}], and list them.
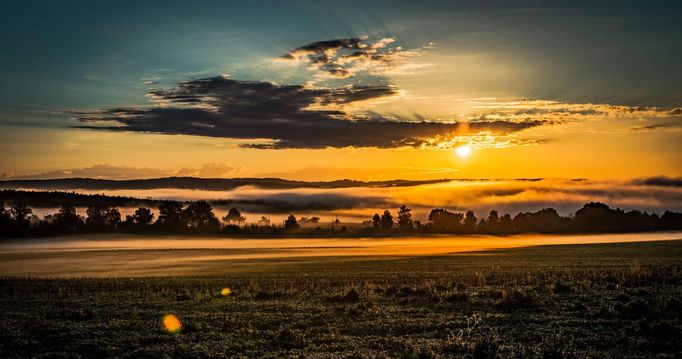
[{"x": 613, "y": 300}]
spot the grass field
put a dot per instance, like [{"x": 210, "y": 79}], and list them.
[{"x": 614, "y": 300}]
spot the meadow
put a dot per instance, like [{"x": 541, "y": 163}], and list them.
[{"x": 611, "y": 300}]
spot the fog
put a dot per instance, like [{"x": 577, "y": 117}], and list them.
[{"x": 130, "y": 255}]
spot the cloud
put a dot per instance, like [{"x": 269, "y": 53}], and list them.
[
  {"x": 557, "y": 111},
  {"x": 266, "y": 115},
  {"x": 345, "y": 58},
  {"x": 282, "y": 116},
  {"x": 660, "y": 181},
  {"x": 207, "y": 170}
]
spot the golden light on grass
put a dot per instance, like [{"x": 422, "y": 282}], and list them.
[
  {"x": 225, "y": 292},
  {"x": 463, "y": 150},
  {"x": 172, "y": 323}
]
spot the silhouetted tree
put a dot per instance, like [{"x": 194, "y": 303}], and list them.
[
  {"x": 443, "y": 220},
  {"x": 506, "y": 224},
  {"x": 596, "y": 217},
  {"x": 100, "y": 218},
  {"x": 264, "y": 221},
  {"x": 546, "y": 220},
  {"x": 470, "y": 222},
  {"x": 143, "y": 216},
  {"x": 493, "y": 222},
  {"x": 5, "y": 219},
  {"x": 21, "y": 214},
  {"x": 67, "y": 218},
  {"x": 199, "y": 216},
  {"x": 404, "y": 217},
  {"x": 671, "y": 220},
  {"x": 376, "y": 221},
  {"x": 170, "y": 215},
  {"x": 386, "y": 220},
  {"x": 482, "y": 226},
  {"x": 291, "y": 223},
  {"x": 234, "y": 216}
]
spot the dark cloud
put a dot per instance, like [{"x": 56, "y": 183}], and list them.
[
  {"x": 319, "y": 48},
  {"x": 291, "y": 116},
  {"x": 660, "y": 181},
  {"x": 344, "y": 58}
]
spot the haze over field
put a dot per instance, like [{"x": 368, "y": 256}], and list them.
[{"x": 129, "y": 255}]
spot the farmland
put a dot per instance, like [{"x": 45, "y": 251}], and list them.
[{"x": 558, "y": 301}]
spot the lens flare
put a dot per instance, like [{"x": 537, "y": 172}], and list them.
[
  {"x": 172, "y": 323},
  {"x": 225, "y": 292}
]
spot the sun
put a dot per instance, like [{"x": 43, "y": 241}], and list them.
[{"x": 463, "y": 150}]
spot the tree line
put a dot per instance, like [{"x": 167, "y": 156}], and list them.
[
  {"x": 198, "y": 217},
  {"x": 593, "y": 217},
  {"x": 173, "y": 217}
]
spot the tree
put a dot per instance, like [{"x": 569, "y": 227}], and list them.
[
  {"x": 95, "y": 217},
  {"x": 482, "y": 226},
  {"x": 112, "y": 217},
  {"x": 506, "y": 224},
  {"x": 291, "y": 223},
  {"x": 67, "y": 217},
  {"x": 233, "y": 215},
  {"x": 493, "y": 223},
  {"x": 5, "y": 219},
  {"x": 21, "y": 214},
  {"x": 199, "y": 216},
  {"x": 170, "y": 215},
  {"x": 143, "y": 216},
  {"x": 386, "y": 220},
  {"x": 470, "y": 221},
  {"x": 404, "y": 217},
  {"x": 264, "y": 221},
  {"x": 546, "y": 220},
  {"x": 376, "y": 221},
  {"x": 445, "y": 221},
  {"x": 596, "y": 217},
  {"x": 99, "y": 217},
  {"x": 671, "y": 220}
]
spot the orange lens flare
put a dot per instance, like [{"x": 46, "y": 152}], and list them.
[{"x": 171, "y": 323}]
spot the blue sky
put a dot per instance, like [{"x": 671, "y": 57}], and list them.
[{"x": 90, "y": 55}]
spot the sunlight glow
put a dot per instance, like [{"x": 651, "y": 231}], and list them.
[
  {"x": 463, "y": 150},
  {"x": 172, "y": 323}
]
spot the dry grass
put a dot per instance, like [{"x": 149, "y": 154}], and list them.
[{"x": 618, "y": 301}]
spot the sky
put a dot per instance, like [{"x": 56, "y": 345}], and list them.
[{"x": 367, "y": 90}]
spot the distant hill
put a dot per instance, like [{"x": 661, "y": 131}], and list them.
[
  {"x": 55, "y": 198},
  {"x": 213, "y": 184}
]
